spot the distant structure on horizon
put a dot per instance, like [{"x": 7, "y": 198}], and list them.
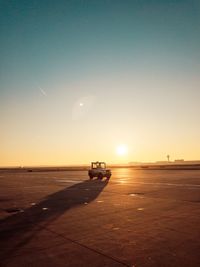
[
  {"x": 168, "y": 156},
  {"x": 175, "y": 162}
]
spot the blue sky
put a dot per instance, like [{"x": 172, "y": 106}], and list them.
[{"x": 134, "y": 65}]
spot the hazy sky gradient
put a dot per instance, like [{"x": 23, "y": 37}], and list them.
[{"x": 78, "y": 78}]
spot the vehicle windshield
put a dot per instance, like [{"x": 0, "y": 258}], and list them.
[
  {"x": 96, "y": 165},
  {"x": 102, "y": 165}
]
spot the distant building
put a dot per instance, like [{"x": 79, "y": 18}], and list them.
[
  {"x": 179, "y": 161},
  {"x": 175, "y": 162}
]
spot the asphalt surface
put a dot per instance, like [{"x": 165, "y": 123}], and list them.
[{"x": 139, "y": 218}]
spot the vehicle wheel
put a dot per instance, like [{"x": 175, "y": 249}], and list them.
[{"x": 100, "y": 176}]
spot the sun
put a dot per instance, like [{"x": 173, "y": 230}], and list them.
[{"x": 122, "y": 150}]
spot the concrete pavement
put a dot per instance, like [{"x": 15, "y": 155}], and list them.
[{"x": 139, "y": 218}]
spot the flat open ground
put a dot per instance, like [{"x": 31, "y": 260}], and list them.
[{"x": 139, "y": 218}]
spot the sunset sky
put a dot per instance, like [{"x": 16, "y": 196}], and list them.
[{"x": 82, "y": 80}]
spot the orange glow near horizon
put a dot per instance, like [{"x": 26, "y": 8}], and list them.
[{"x": 45, "y": 152}]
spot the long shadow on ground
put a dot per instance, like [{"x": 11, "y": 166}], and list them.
[{"x": 23, "y": 226}]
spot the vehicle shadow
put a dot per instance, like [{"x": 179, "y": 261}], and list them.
[{"x": 18, "y": 229}]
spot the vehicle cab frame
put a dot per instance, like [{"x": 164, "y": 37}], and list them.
[{"x": 98, "y": 169}]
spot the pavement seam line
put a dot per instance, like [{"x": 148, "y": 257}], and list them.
[{"x": 89, "y": 248}]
